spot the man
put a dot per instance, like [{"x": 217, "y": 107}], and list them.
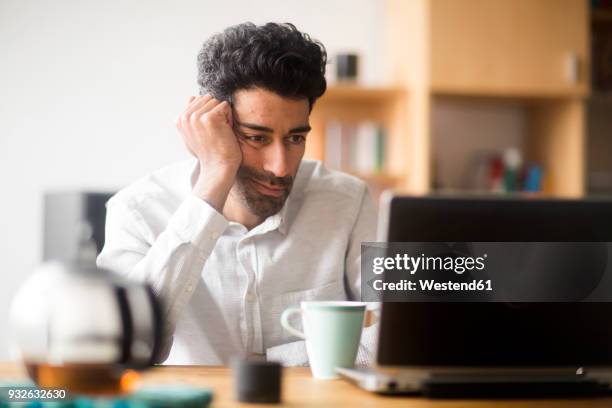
[{"x": 247, "y": 229}]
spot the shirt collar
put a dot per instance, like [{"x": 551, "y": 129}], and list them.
[{"x": 277, "y": 221}]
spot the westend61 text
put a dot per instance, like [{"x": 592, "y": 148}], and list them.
[{"x": 432, "y": 285}]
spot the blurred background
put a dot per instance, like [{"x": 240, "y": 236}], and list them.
[{"x": 464, "y": 96}]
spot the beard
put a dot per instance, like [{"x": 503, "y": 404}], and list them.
[{"x": 262, "y": 205}]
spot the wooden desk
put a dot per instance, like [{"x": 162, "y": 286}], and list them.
[{"x": 301, "y": 390}]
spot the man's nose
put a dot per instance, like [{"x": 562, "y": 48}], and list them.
[{"x": 275, "y": 161}]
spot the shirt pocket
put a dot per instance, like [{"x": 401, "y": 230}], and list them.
[{"x": 277, "y": 304}]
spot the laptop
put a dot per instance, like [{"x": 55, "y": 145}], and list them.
[{"x": 454, "y": 349}]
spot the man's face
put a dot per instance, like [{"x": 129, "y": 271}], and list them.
[{"x": 272, "y": 132}]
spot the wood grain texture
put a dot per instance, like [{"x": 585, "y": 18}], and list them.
[
  {"x": 509, "y": 47},
  {"x": 408, "y": 48},
  {"x": 556, "y": 138},
  {"x": 511, "y": 50},
  {"x": 301, "y": 390}
]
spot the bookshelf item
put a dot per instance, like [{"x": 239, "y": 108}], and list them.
[
  {"x": 347, "y": 67},
  {"x": 361, "y": 130},
  {"x": 356, "y": 148}
]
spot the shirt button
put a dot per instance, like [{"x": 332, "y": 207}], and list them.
[
  {"x": 189, "y": 288},
  {"x": 214, "y": 235},
  {"x": 250, "y": 297}
]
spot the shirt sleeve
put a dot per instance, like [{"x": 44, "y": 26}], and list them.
[
  {"x": 364, "y": 230},
  {"x": 172, "y": 262},
  {"x": 290, "y": 354}
]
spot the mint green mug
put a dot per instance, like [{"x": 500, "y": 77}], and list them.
[{"x": 332, "y": 330}]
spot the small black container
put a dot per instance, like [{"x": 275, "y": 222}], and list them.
[
  {"x": 257, "y": 381},
  {"x": 346, "y": 67}
]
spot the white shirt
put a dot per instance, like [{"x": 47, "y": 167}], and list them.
[{"x": 224, "y": 287}]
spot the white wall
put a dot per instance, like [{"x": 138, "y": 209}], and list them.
[{"x": 89, "y": 91}]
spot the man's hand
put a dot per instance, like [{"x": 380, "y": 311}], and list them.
[
  {"x": 371, "y": 318},
  {"x": 206, "y": 128}
]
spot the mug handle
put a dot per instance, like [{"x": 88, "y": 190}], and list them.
[{"x": 285, "y": 322}]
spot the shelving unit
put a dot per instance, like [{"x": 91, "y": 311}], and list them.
[
  {"x": 551, "y": 134},
  {"x": 532, "y": 56},
  {"x": 529, "y": 54}
]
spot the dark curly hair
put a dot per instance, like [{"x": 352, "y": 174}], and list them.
[{"x": 276, "y": 57}]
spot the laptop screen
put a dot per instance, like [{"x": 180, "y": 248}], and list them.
[{"x": 496, "y": 333}]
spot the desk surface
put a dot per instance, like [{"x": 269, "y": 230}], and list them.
[{"x": 301, "y": 390}]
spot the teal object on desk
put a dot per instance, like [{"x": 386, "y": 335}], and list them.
[
  {"x": 41, "y": 404},
  {"x": 160, "y": 396},
  {"x": 177, "y": 396},
  {"x": 86, "y": 402}
]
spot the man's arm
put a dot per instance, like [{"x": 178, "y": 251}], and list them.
[
  {"x": 173, "y": 261},
  {"x": 207, "y": 130},
  {"x": 364, "y": 230}
]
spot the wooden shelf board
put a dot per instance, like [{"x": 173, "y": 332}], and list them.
[
  {"x": 348, "y": 93},
  {"x": 506, "y": 93},
  {"x": 491, "y": 194},
  {"x": 380, "y": 178}
]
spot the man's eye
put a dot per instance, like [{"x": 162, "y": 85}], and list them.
[
  {"x": 256, "y": 139},
  {"x": 297, "y": 139}
]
